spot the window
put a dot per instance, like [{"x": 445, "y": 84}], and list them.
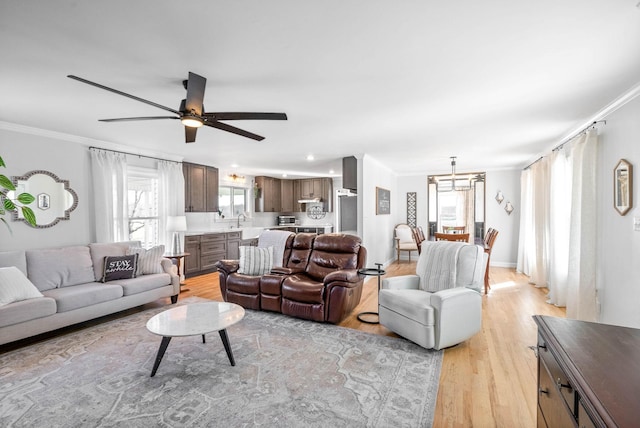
[
  {"x": 232, "y": 201},
  {"x": 142, "y": 199}
]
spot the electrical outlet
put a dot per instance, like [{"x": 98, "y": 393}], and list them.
[{"x": 636, "y": 224}]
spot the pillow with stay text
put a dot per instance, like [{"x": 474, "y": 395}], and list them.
[{"x": 119, "y": 267}]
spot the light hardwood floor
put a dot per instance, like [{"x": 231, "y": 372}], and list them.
[{"x": 488, "y": 381}]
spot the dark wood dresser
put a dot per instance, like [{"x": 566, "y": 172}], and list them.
[{"x": 588, "y": 374}]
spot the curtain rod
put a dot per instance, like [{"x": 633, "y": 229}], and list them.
[
  {"x": 566, "y": 140},
  {"x": 132, "y": 154}
]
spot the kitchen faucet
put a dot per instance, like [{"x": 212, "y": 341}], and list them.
[{"x": 244, "y": 217}]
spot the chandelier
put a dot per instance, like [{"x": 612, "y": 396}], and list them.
[{"x": 453, "y": 182}]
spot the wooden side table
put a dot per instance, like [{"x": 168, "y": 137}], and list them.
[{"x": 178, "y": 258}]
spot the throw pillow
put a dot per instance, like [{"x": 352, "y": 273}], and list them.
[
  {"x": 148, "y": 260},
  {"x": 119, "y": 267},
  {"x": 15, "y": 286},
  {"x": 255, "y": 260}
]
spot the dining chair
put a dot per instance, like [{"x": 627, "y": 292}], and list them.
[
  {"x": 489, "y": 240},
  {"x": 418, "y": 236},
  {"x": 404, "y": 240},
  {"x": 455, "y": 237}
]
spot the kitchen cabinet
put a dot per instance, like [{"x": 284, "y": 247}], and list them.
[
  {"x": 588, "y": 374},
  {"x": 311, "y": 188},
  {"x": 200, "y": 187},
  {"x": 287, "y": 201},
  {"x": 350, "y": 173},
  {"x": 208, "y": 248},
  {"x": 315, "y": 188},
  {"x": 192, "y": 246},
  {"x": 269, "y": 196},
  {"x": 233, "y": 245}
]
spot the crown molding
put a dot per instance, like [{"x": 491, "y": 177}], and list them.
[{"x": 89, "y": 142}]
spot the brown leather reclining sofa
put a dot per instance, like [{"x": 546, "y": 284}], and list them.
[{"x": 318, "y": 279}]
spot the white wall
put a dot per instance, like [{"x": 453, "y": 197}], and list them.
[
  {"x": 377, "y": 230},
  {"x": 69, "y": 161},
  {"x": 505, "y": 248},
  {"x": 618, "y": 270}
]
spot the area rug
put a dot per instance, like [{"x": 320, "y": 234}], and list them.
[{"x": 288, "y": 373}]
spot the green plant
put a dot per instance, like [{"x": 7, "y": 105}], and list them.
[{"x": 11, "y": 204}]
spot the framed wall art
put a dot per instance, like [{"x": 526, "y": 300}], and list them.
[{"x": 383, "y": 201}]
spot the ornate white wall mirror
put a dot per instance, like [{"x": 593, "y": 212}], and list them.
[
  {"x": 623, "y": 187},
  {"x": 54, "y": 199}
]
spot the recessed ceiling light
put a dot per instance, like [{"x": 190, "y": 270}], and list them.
[
  {"x": 310, "y": 157},
  {"x": 234, "y": 165},
  {"x": 284, "y": 175}
]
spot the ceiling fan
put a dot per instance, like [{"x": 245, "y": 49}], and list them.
[{"x": 191, "y": 112}]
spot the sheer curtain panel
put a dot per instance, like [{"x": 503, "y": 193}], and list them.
[
  {"x": 109, "y": 171},
  {"x": 171, "y": 198}
]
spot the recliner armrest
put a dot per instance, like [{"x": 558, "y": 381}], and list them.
[
  {"x": 458, "y": 314},
  {"x": 404, "y": 282},
  {"x": 343, "y": 275},
  {"x": 228, "y": 266}
]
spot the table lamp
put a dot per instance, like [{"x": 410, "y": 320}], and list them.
[{"x": 177, "y": 224}]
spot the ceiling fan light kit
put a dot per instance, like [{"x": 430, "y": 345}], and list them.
[{"x": 191, "y": 112}]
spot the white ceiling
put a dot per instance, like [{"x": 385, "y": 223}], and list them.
[{"x": 495, "y": 82}]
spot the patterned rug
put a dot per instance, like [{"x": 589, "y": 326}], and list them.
[{"x": 288, "y": 373}]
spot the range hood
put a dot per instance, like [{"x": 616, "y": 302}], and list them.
[{"x": 309, "y": 201}]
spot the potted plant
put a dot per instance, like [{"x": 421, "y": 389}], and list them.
[{"x": 20, "y": 202}]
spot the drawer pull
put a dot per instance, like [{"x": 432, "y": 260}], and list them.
[
  {"x": 562, "y": 385},
  {"x": 543, "y": 391}
]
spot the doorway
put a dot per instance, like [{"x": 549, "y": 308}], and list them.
[{"x": 457, "y": 202}]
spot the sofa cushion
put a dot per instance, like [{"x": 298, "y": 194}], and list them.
[
  {"x": 14, "y": 258},
  {"x": 149, "y": 261},
  {"x": 15, "y": 286},
  {"x": 143, "y": 283},
  {"x": 101, "y": 250},
  {"x": 255, "y": 261},
  {"x": 332, "y": 252},
  {"x": 80, "y": 296},
  {"x": 26, "y": 310},
  {"x": 301, "y": 288},
  {"x": 60, "y": 267},
  {"x": 120, "y": 267},
  {"x": 414, "y": 304}
]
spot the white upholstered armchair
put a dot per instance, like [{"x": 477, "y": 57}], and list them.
[{"x": 441, "y": 305}]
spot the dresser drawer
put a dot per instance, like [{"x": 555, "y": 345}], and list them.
[
  {"x": 550, "y": 404},
  {"x": 213, "y": 247},
  {"x": 193, "y": 239},
  {"x": 559, "y": 378},
  {"x": 213, "y": 237}
]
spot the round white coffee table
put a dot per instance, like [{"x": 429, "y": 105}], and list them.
[{"x": 195, "y": 319}]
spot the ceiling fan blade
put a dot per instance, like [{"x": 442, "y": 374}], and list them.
[
  {"x": 124, "y": 94},
  {"x": 234, "y": 130},
  {"x": 245, "y": 116},
  {"x": 190, "y": 134},
  {"x": 195, "y": 93},
  {"x": 127, "y": 119}
]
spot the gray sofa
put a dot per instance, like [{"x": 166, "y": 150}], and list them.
[{"x": 69, "y": 279}]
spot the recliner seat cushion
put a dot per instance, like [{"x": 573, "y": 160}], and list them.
[
  {"x": 245, "y": 284},
  {"x": 300, "y": 288},
  {"x": 413, "y": 304}
]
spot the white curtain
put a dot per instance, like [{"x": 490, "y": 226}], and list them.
[
  {"x": 109, "y": 171},
  {"x": 534, "y": 223},
  {"x": 171, "y": 198},
  {"x": 581, "y": 288},
  {"x": 557, "y": 245}
]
